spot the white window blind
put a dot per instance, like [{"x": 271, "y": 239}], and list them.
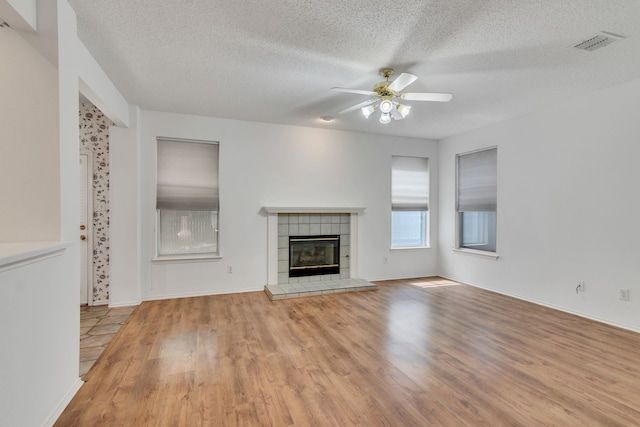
[
  {"x": 478, "y": 181},
  {"x": 187, "y": 175},
  {"x": 187, "y": 197},
  {"x": 409, "y": 183}
]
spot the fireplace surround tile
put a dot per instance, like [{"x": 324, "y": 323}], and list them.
[{"x": 310, "y": 225}]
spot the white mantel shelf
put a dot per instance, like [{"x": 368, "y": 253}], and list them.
[{"x": 312, "y": 210}]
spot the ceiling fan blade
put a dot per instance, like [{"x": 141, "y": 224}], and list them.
[
  {"x": 416, "y": 96},
  {"x": 358, "y": 91},
  {"x": 360, "y": 105},
  {"x": 402, "y": 81},
  {"x": 396, "y": 114}
]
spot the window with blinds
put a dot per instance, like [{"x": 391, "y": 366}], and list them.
[
  {"x": 409, "y": 201},
  {"x": 477, "y": 200},
  {"x": 187, "y": 201}
]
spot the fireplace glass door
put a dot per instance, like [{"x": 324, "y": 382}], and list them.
[{"x": 314, "y": 255}]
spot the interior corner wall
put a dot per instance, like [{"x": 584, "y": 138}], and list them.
[
  {"x": 276, "y": 165},
  {"x": 567, "y": 206}
]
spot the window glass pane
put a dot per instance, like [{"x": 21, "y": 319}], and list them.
[
  {"x": 187, "y": 232},
  {"x": 478, "y": 230},
  {"x": 408, "y": 228}
]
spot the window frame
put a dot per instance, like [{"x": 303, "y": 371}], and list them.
[
  {"x": 492, "y": 254},
  {"x": 426, "y": 224},
  {"x": 190, "y": 257}
]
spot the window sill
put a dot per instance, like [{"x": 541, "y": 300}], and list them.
[
  {"x": 408, "y": 248},
  {"x": 185, "y": 258},
  {"x": 474, "y": 252}
]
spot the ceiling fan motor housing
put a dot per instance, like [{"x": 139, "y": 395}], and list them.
[{"x": 383, "y": 91}]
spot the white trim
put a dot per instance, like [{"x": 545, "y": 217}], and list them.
[
  {"x": 14, "y": 255},
  {"x": 101, "y": 302},
  {"x": 126, "y": 304},
  {"x": 545, "y": 304},
  {"x": 200, "y": 294},
  {"x": 408, "y": 248},
  {"x": 57, "y": 411},
  {"x": 312, "y": 210},
  {"x": 185, "y": 258},
  {"x": 89, "y": 225},
  {"x": 475, "y": 252},
  {"x": 402, "y": 277}
]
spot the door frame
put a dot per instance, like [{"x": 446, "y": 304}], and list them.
[{"x": 89, "y": 226}]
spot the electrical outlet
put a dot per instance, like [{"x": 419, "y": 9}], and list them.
[
  {"x": 229, "y": 269},
  {"x": 624, "y": 294},
  {"x": 580, "y": 287}
]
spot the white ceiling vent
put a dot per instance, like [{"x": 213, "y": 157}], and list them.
[{"x": 601, "y": 39}]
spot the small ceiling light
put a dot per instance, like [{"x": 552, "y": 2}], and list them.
[
  {"x": 327, "y": 118},
  {"x": 367, "y": 110},
  {"x": 386, "y": 106},
  {"x": 385, "y": 118},
  {"x": 404, "y": 110}
]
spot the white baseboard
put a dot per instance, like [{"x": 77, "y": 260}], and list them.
[
  {"x": 125, "y": 304},
  {"x": 411, "y": 276},
  {"x": 53, "y": 417},
  {"x": 548, "y": 305},
  {"x": 101, "y": 302},
  {"x": 200, "y": 294}
]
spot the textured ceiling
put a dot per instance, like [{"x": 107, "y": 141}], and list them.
[{"x": 276, "y": 61}]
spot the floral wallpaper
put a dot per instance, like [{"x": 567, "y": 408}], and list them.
[{"x": 94, "y": 137}]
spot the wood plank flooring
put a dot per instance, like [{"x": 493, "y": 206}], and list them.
[{"x": 422, "y": 352}]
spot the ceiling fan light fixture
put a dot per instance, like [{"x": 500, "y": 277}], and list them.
[
  {"x": 386, "y": 106},
  {"x": 367, "y": 111},
  {"x": 404, "y": 109},
  {"x": 385, "y": 118}
]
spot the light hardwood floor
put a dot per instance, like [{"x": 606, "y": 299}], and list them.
[{"x": 423, "y": 352}]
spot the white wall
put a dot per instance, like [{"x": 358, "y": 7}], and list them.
[
  {"x": 39, "y": 314},
  {"x": 271, "y": 165},
  {"x": 96, "y": 86},
  {"x": 568, "y": 206},
  {"x": 125, "y": 287},
  {"x": 29, "y": 211}
]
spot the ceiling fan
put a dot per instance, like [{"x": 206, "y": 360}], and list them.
[{"x": 388, "y": 93}]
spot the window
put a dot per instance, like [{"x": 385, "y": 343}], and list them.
[
  {"x": 477, "y": 200},
  {"x": 409, "y": 201},
  {"x": 187, "y": 198}
]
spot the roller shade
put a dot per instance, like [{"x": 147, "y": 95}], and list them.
[
  {"x": 409, "y": 183},
  {"x": 187, "y": 175},
  {"x": 478, "y": 181}
]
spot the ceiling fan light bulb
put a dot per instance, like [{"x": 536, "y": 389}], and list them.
[
  {"x": 404, "y": 110},
  {"x": 386, "y": 106},
  {"x": 385, "y": 118},
  {"x": 366, "y": 111}
]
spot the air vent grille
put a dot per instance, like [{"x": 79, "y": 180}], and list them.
[{"x": 599, "y": 40}]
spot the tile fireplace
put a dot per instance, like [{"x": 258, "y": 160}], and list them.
[{"x": 284, "y": 222}]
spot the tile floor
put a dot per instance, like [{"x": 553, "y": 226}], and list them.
[
  {"x": 98, "y": 325},
  {"x": 295, "y": 290}
]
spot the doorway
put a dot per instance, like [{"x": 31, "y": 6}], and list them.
[{"x": 86, "y": 228}]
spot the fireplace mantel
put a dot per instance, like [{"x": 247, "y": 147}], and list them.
[
  {"x": 272, "y": 228},
  {"x": 312, "y": 210}
]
